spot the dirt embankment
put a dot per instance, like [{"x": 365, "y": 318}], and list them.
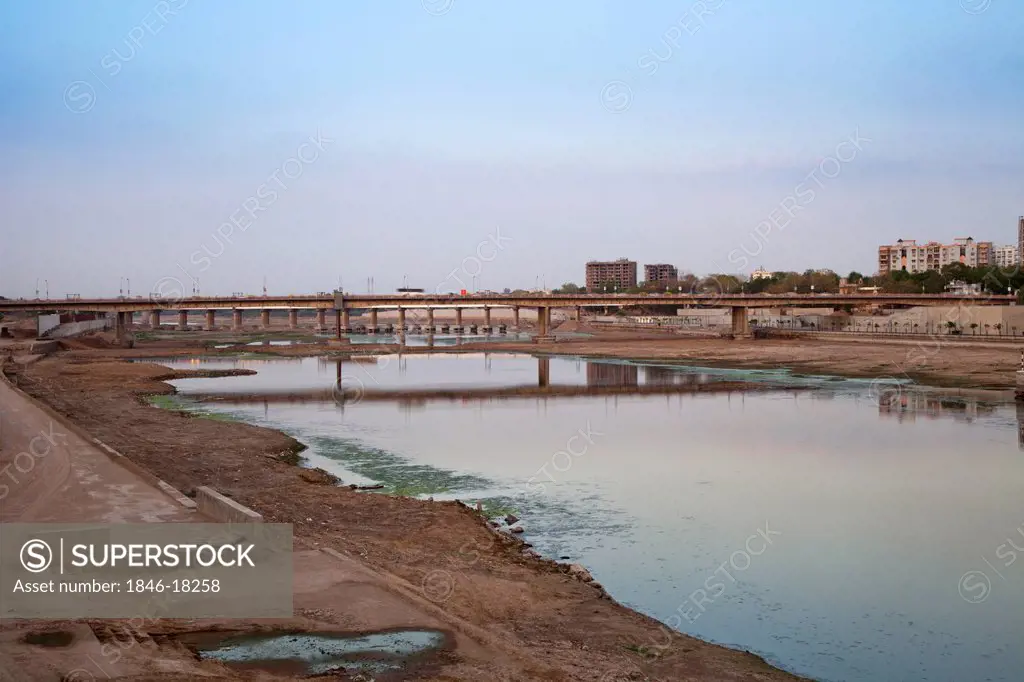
[{"x": 568, "y": 629}]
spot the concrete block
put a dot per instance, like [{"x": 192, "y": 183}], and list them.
[{"x": 220, "y": 508}]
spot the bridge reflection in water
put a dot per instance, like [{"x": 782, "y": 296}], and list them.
[{"x": 366, "y": 378}]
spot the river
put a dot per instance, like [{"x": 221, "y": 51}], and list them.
[{"x": 840, "y": 534}]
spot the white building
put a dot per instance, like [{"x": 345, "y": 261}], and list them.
[
  {"x": 1005, "y": 256},
  {"x": 760, "y": 273}
]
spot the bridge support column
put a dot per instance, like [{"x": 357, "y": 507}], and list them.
[
  {"x": 373, "y": 321},
  {"x": 458, "y": 317},
  {"x": 487, "y": 317},
  {"x": 154, "y": 319},
  {"x": 337, "y": 324},
  {"x": 293, "y": 319},
  {"x": 346, "y": 323},
  {"x": 430, "y": 322},
  {"x": 543, "y": 319},
  {"x": 579, "y": 313},
  {"x": 740, "y": 327},
  {"x": 119, "y": 326},
  {"x": 265, "y": 318},
  {"x": 129, "y": 320},
  {"x": 321, "y": 320},
  {"x": 401, "y": 320},
  {"x": 183, "y": 320},
  {"x": 211, "y": 320},
  {"x": 515, "y": 318},
  {"x": 236, "y": 319}
]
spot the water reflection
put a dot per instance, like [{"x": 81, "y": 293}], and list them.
[{"x": 908, "y": 405}]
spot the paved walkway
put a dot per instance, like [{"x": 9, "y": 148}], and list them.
[{"x": 48, "y": 473}]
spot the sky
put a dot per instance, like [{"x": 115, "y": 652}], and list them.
[{"x": 183, "y": 145}]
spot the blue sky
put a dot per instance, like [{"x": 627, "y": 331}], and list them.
[{"x": 661, "y": 131}]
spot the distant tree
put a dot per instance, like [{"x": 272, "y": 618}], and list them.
[
  {"x": 568, "y": 288},
  {"x": 854, "y": 277},
  {"x": 974, "y": 327},
  {"x": 720, "y": 284}
]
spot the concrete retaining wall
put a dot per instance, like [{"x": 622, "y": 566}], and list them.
[
  {"x": 45, "y": 323},
  {"x": 220, "y": 508},
  {"x": 70, "y": 329},
  {"x": 43, "y": 347}
]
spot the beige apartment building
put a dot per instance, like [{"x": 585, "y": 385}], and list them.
[
  {"x": 620, "y": 273},
  {"x": 908, "y": 255},
  {"x": 1005, "y": 256}
]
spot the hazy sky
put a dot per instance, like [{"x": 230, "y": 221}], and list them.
[{"x": 446, "y": 138}]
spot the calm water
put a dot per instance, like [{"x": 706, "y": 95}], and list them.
[{"x": 839, "y": 539}]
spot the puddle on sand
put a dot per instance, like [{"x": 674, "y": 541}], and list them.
[{"x": 316, "y": 653}]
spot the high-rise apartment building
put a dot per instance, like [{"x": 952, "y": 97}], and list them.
[
  {"x": 1006, "y": 256},
  {"x": 908, "y": 255},
  {"x": 619, "y": 273},
  {"x": 661, "y": 273},
  {"x": 1020, "y": 236}
]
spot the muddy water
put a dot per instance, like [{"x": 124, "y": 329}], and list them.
[{"x": 841, "y": 536}]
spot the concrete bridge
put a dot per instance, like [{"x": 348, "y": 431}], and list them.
[{"x": 342, "y": 305}]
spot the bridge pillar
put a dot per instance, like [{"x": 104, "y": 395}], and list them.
[
  {"x": 211, "y": 319},
  {"x": 236, "y": 319},
  {"x": 543, "y": 318},
  {"x": 373, "y": 321},
  {"x": 337, "y": 324},
  {"x": 401, "y": 319},
  {"x": 183, "y": 320},
  {"x": 119, "y": 326},
  {"x": 487, "y": 316},
  {"x": 430, "y": 322},
  {"x": 293, "y": 318},
  {"x": 346, "y": 323},
  {"x": 515, "y": 318},
  {"x": 458, "y": 317},
  {"x": 129, "y": 320},
  {"x": 265, "y": 318},
  {"x": 154, "y": 319},
  {"x": 579, "y": 313},
  {"x": 321, "y": 320},
  {"x": 740, "y": 327}
]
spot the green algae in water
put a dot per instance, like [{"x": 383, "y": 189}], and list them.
[
  {"x": 397, "y": 474},
  {"x": 323, "y": 653},
  {"x": 177, "y": 403}
]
